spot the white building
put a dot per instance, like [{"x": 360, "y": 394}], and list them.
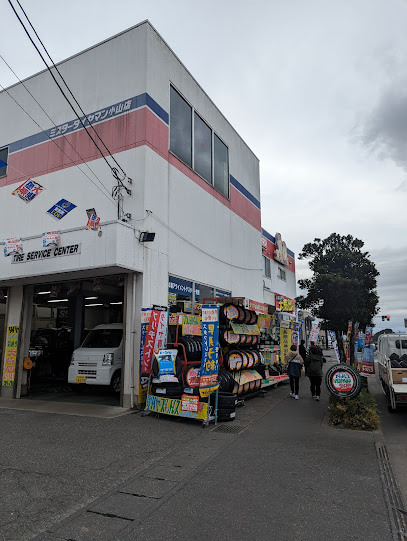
[{"x": 194, "y": 183}]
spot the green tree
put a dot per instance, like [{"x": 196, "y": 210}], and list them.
[{"x": 343, "y": 285}]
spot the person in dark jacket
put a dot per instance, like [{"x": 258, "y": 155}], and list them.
[
  {"x": 294, "y": 364},
  {"x": 301, "y": 350},
  {"x": 313, "y": 369}
]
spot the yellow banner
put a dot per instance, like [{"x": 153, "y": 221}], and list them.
[
  {"x": 172, "y": 406},
  {"x": 285, "y": 342},
  {"x": 10, "y": 358},
  {"x": 191, "y": 325},
  {"x": 264, "y": 321},
  {"x": 241, "y": 328}
]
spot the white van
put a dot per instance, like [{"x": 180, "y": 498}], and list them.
[
  {"x": 392, "y": 343},
  {"x": 99, "y": 359}
]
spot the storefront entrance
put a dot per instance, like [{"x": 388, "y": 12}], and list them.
[{"x": 81, "y": 320}]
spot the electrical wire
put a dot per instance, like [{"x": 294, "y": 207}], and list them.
[
  {"x": 47, "y": 115},
  {"x": 113, "y": 169},
  {"x": 197, "y": 247},
  {"x": 107, "y": 194}
]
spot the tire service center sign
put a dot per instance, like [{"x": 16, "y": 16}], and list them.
[
  {"x": 343, "y": 381},
  {"x": 47, "y": 253}
]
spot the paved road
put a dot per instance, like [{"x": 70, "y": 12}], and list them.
[{"x": 285, "y": 476}]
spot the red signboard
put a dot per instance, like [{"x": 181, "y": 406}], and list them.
[
  {"x": 284, "y": 304},
  {"x": 259, "y": 307}
]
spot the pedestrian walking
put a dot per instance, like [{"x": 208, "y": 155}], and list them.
[
  {"x": 301, "y": 350},
  {"x": 294, "y": 363},
  {"x": 313, "y": 369}
]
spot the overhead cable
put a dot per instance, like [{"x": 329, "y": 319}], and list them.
[{"x": 113, "y": 169}]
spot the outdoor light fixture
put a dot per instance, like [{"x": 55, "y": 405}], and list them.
[{"x": 146, "y": 236}]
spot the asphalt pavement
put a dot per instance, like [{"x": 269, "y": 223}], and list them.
[{"x": 277, "y": 472}]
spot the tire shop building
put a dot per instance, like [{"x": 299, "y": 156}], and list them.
[{"x": 179, "y": 214}]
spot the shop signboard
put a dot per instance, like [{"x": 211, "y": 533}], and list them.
[
  {"x": 173, "y": 406},
  {"x": 172, "y": 299},
  {"x": 313, "y": 335},
  {"x": 280, "y": 252},
  {"x": 264, "y": 321},
  {"x": 10, "y": 357},
  {"x": 284, "y": 304},
  {"x": 285, "y": 342},
  {"x": 162, "y": 327},
  {"x": 175, "y": 319},
  {"x": 47, "y": 253},
  {"x": 13, "y": 245},
  {"x": 343, "y": 381},
  {"x": 259, "y": 307},
  {"x": 210, "y": 350},
  {"x": 335, "y": 345},
  {"x": 191, "y": 325},
  {"x": 143, "y": 380},
  {"x": 242, "y": 328}
]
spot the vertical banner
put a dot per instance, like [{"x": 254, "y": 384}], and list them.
[
  {"x": 285, "y": 342},
  {"x": 367, "y": 368},
  {"x": 143, "y": 380},
  {"x": 10, "y": 358},
  {"x": 335, "y": 345},
  {"x": 208, "y": 380},
  {"x": 155, "y": 336},
  {"x": 294, "y": 337},
  {"x": 313, "y": 335},
  {"x": 356, "y": 346}
]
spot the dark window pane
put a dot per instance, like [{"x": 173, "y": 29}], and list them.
[
  {"x": 103, "y": 338},
  {"x": 221, "y": 170},
  {"x": 180, "y": 128},
  {"x": 3, "y": 162},
  {"x": 202, "y": 149}
]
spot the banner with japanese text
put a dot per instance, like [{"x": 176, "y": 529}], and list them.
[
  {"x": 155, "y": 336},
  {"x": 367, "y": 364},
  {"x": 10, "y": 357},
  {"x": 191, "y": 325},
  {"x": 285, "y": 342},
  {"x": 335, "y": 345},
  {"x": 143, "y": 380},
  {"x": 313, "y": 335},
  {"x": 208, "y": 381}
]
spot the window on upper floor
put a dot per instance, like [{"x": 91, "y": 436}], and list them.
[
  {"x": 3, "y": 161},
  {"x": 266, "y": 267},
  {"x": 197, "y": 145},
  {"x": 181, "y": 128},
  {"x": 281, "y": 274}
]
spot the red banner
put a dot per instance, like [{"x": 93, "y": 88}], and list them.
[{"x": 150, "y": 342}]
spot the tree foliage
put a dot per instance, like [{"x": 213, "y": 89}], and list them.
[{"x": 343, "y": 285}]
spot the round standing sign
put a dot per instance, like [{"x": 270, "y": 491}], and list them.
[{"x": 343, "y": 381}]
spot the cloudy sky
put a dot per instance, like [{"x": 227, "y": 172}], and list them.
[{"x": 317, "y": 89}]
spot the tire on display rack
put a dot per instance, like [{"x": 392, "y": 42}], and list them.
[
  {"x": 234, "y": 360},
  {"x": 248, "y": 317},
  {"x": 229, "y": 312},
  {"x": 225, "y": 415},
  {"x": 226, "y": 381},
  {"x": 225, "y": 400},
  {"x": 242, "y": 315}
]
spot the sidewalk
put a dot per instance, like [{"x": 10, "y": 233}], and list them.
[{"x": 283, "y": 475}]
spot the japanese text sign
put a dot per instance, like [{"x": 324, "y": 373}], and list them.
[
  {"x": 284, "y": 304},
  {"x": 143, "y": 380},
  {"x": 51, "y": 238},
  {"x": 155, "y": 337},
  {"x": 14, "y": 245},
  {"x": 259, "y": 307},
  {"x": 10, "y": 357},
  {"x": 61, "y": 209},
  {"x": 210, "y": 350},
  {"x": 285, "y": 342},
  {"x": 191, "y": 325},
  {"x": 28, "y": 190}
]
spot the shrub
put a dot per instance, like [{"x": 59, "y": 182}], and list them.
[{"x": 359, "y": 413}]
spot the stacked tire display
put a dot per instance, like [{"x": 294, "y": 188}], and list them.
[{"x": 241, "y": 351}]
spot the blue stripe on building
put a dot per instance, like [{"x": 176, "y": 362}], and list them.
[
  {"x": 244, "y": 191},
  {"x": 106, "y": 113}
]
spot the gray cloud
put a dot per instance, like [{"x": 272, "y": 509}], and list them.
[{"x": 385, "y": 131}]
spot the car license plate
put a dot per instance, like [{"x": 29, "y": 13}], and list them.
[{"x": 80, "y": 379}]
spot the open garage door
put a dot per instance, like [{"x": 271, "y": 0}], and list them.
[{"x": 76, "y": 331}]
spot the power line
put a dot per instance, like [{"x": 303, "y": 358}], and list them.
[
  {"x": 197, "y": 247},
  {"x": 113, "y": 169},
  {"x": 107, "y": 194}
]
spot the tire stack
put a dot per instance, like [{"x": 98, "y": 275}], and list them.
[
  {"x": 168, "y": 389},
  {"x": 241, "y": 351}
]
